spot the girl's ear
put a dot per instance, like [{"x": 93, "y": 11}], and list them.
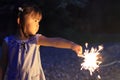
[{"x": 18, "y": 20}]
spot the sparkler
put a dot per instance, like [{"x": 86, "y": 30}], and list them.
[{"x": 91, "y": 59}]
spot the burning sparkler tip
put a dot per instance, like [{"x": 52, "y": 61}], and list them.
[
  {"x": 99, "y": 77},
  {"x": 91, "y": 59}
]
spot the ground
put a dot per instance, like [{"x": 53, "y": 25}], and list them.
[{"x": 64, "y": 64}]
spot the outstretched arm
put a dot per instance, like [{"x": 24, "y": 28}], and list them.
[{"x": 60, "y": 43}]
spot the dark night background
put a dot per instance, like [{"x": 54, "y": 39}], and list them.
[
  {"x": 93, "y": 21},
  {"x": 76, "y": 20}
]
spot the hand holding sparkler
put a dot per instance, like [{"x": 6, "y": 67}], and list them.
[{"x": 78, "y": 49}]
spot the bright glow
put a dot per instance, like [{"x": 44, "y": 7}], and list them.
[
  {"x": 99, "y": 77},
  {"x": 91, "y": 59}
]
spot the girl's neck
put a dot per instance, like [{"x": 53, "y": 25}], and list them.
[{"x": 22, "y": 36}]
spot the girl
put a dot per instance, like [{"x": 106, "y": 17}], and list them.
[{"x": 21, "y": 53}]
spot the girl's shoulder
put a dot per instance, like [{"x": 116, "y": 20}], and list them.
[
  {"x": 38, "y": 35},
  {"x": 7, "y": 39},
  {"x": 12, "y": 38}
]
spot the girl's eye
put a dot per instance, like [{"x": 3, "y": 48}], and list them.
[{"x": 35, "y": 20}]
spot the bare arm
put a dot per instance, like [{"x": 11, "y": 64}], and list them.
[
  {"x": 60, "y": 43},
  {"x": 3, "y": 60}
]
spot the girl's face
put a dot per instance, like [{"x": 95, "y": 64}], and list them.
[{"x": 31, "y": 24}]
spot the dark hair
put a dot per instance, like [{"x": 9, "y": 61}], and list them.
[
  {"x": 22, "y": 9},
  {"x": 27, "y": 8}
]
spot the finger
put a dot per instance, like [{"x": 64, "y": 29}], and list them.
[{"x": 80, "y": 55}]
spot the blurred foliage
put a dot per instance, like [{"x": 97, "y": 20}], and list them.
[{"x": 76, "y": 20}]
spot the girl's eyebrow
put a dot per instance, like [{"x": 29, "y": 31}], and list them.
[{"x": 35, "y": 15}]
